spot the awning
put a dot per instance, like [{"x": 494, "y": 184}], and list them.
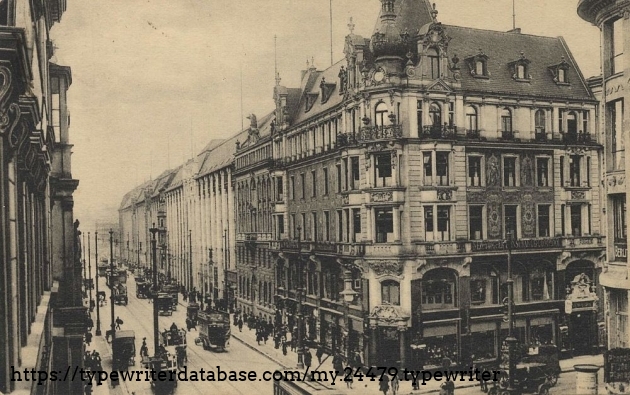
[{"x": 615, "y": 277}]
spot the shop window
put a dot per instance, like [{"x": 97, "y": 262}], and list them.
[
  {"x": 615, "y": 120},
  {"x": 474, "y": 171},
  {"x": 576, "y": 219},
  {"x": 441, "y": 168},
  {"x": 542, "y": 172},
  {"x": 427, "y": 164},
  {"x": 541, "y": 334},
  {"x": 511, "y": 220},
  {"x": 390, "y": 292},
  {"x": 619, "y": 218},
  {"x": 619, "y": 318},
  {"x": 439, "y": 348},
  {"x": 354, "y": 164},
  {"x": 438, "y": 289},
  {"x": 541, "y": 284},
  {"x": 475, "y": 216},
  {"x": 383, "y": 173},
  {"x": 484, "y": 345},
  {"x": 543, "y": 220},
  {"x": 384, "y": 225},
  {"x": 509, "y": 171}
]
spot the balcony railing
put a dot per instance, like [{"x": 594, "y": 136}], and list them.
[
  {"x": 386, "y": 132},
  {"x": 438, "y": 132},
  {"x": 577, "y": 138}
]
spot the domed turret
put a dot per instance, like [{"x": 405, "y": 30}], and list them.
[{"x": 388, "y": 40}]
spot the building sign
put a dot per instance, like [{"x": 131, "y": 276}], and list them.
[
  {"x": 621, "y": 252},
  {"x": 495, "y": 245},
  {"x": 617, "y": 365},
  {"x": 583, "y": 305},
  {"x": 232, "y": 277}
]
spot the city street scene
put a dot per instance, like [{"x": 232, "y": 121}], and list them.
[{"x": 332, "y": 197}]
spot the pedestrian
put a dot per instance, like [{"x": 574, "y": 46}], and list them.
[
  {"x": 284, "y": 347},
  {"x": 119, "y": 322},
  {"x": 88, "y": 338},
  {"x": 308, "y": 358},
  {"x": 395, "y": 384},
  {"x": 319, "y": 353},
  {"x": 348, "y": 378},
  {"x": 240, "y": 324},
  {"x": 383, "y": 384}
]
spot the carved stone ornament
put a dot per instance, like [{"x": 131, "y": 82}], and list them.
[
  {"x": 345, "y": 200},
  {"x": 493, "y": 178},
  {"x": 383, "y": 268},
  {"x": 444, "y": 195},
  {"x": 578, "y": 195},
  {"x": 382, "y": 196},
  {"x": 388, "y": 314},
  {"x": 582, "y": 288}
]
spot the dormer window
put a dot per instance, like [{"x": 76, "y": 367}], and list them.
[
  {"x": 478, "y": 65},
  {"x": 327, "y": 90},
  {"x": 520, "y": 69},
  {"x": 560, "y": 72}
]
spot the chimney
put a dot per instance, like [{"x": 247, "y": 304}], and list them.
[{"x": 516, "y": 30}]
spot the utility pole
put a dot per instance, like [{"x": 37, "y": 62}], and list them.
[
  {"x": 300, "y": 345},
  {"x": 511, "y": 340},
  {"x": 156, "y": 330},
  {"x": 111, "y": 279},
  {"x": 98, "y": 298}
]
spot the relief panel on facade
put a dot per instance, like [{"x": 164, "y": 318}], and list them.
[
  {"x": 494, "y": 220},
  {"x": 493, "y": 172},
  {"x": 528, "y": 217},
  {"x": 527, "y": 170}
]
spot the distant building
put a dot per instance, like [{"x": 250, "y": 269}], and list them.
[{"x": 612, "y": 18}]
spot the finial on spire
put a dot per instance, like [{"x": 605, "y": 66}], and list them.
[
  {"x": 434, "y": 13},
  {"x": 351, "y": 26},
  {"x": 278, "y": 79}
]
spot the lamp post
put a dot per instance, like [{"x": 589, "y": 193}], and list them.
[
  {"x": 111, "y": 279},
  {"x": 348, "y": 295},
  {"x": 510, "y": 340},
  {"x": 98, "y": 304},
  {"x": 156, "y": 330},
  {"x": 300, "y": 317},
  {"x": 90, "y": 270}
]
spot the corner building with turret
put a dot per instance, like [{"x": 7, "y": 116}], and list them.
[{"x": 392, "y": 179}]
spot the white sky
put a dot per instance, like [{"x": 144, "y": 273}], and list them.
[{"x": 148, "y": 74}]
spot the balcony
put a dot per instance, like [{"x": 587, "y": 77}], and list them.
[
  {"x": 438, "y": 132},
  {"x": 388, "y": 132},
  {"x": 346, "y": 140},
  {"x": 577, "y": 138}
]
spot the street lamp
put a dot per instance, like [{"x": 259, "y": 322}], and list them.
[
  {"x": 348, "y": 295},
  {"x": 156, "y": 330},
  {"x": 300, "y": 317},
  {"x": 98, "y": 304},
  {"x": 510, "y": 340},
  {"x": 111, "y": 279}
]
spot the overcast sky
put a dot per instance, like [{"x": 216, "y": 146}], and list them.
[{"x": 154, "y": 78}]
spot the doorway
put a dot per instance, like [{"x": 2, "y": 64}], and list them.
[{"x": 582, "y": 333}]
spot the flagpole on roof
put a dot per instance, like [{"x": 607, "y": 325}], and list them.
[{"x": 331, "y": 34}]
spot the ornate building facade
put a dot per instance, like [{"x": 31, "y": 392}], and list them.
[
  {"x": 406, "y": 167},
  {"x": 613, "y": 20},
  {"x": 42, "y": 320}
]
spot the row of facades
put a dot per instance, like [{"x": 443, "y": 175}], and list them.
[
  {"x": 42, "y": 318},
  {"x": 386, "y": 187}
]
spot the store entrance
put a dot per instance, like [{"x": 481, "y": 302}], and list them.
[
  {"x": 582, "y": 333},
  {"x": 389, "y": 353}
]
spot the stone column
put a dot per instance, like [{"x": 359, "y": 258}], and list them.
[{"x": 404, "y": 346}]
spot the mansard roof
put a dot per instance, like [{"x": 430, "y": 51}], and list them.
[{"x": 502, "y": 48}]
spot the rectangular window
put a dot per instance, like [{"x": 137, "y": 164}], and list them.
[
  {"x": 509, "y": 171},
  {"x": 384, "y": 225},
  {"x": 303, "y": 226},
  {"x": 339, "y": 226},
  {"x": 588, "y": 171},
  {"x": 620, "y": 228},
  {"x": 419, "y": 114},
  {"x": 543, "y": 220},
  {"x": 444, "y": 223},
  {"x": 56, "y": 115},
  {"x": 451, "y": 114},
  {"x": 325, "y": 181},
  {"x": 561, "y": 121},
  {"x": 326, "y": 226},
  {"x": 338, "y": 178},
  {"x": 441, "y": 168},
  {"x": 314, "y": 227},
  {"x": 279, "y": 189},
  {"x": 354, "y": 161},
  {"x": 428, "y": 223},
  {"x": 574, "y": 171},
  {"x": 617, "y": 46},
  {"x": 475, "y": 217},
  {"x": 345, "y": 173},
  {"x": 303, "y": 180},
  {"x": 576, "y": 219},
  {"x": 292, "y": 182},
  {"x": 383, "y": 173},
  {"x": 511, "y": 220},
  {"x": 562, "y": 171},
  {"x": 280, "y": 225},
  {"x": 563, "y": 226},
  {"x": 313, "y": 183},
  {"x": 585, "y": 121},
  {"x": 542, "y": 172},
  {"x": 428, "y": 168},
  {"x": 615, "y": 120},
  {"x": 293, "y": 226},
  {"x": 474, "y": 171},
  {"x": 356, "y": 224}
]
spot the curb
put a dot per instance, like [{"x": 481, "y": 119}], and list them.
[{"x": 259, "y": 351}]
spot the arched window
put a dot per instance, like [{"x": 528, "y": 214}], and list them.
[
  {"x": 572, "y": 123},
  {"x": 471, "y": 118},
  {"x": 540, "y": 121},
  {"x": 434, "y": 63},
  {"x": 439, "y": 289},
  {"x": 506, "y": 121},
  {"x": 390, "y": 292},
  {"x": 520, "y": 72},
  {"x": 435, "y": 113},
  {"x": 380, "y": 114}
]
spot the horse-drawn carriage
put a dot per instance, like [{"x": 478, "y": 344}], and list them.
[
  {"x": 537, "y": 370},
  {"x": 123, "y": 350},
  {"x": 192, "y": 312},
  {"x": 120, "y": 294},
  {"x": 164, "y": 304}
]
